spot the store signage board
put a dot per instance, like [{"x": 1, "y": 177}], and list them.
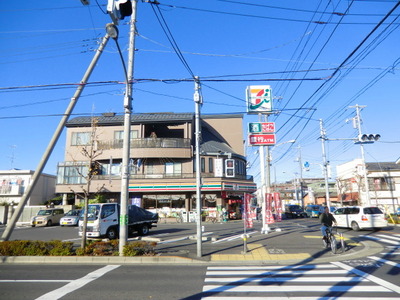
[
  {"x": 262, "y": 139},
  {"x": 262, "y": 127}
]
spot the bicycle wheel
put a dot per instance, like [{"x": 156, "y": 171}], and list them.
[{"x": 333, "y": 244}]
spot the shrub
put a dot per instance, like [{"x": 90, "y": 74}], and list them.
[
  {"x": 59, "y": 248},
  {"x": 140, "y": 248},
  {"x": 36, "y": 248}
]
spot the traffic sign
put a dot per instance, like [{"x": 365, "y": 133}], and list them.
[
  {"x": 262, "y": 139},
  {"x": 262, "y": 127}
]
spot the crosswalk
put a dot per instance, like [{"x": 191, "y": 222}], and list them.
[
  {"x": 392, "y": 239},
  {"x": 295, "y": 282}
]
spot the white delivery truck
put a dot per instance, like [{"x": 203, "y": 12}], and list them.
[{"x": 103, "y": 220}]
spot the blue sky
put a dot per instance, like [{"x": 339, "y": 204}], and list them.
[{"x": 320, "y": 58}]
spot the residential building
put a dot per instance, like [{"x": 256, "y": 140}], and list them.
[
  {"x": 316, "y": 193},
  {"x": 162, "y": 165},
  {"x": 383, "y": 184},
  {"x": 13, "y": 184}
]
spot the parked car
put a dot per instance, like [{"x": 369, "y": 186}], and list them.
[
  {"x": 47, "y": 217},
  {"x": 313, "y": 211},
  {"x": 71, "y": 218},
  {"x": 358, "y": 217},
  {"x": 294, "y": 211}
]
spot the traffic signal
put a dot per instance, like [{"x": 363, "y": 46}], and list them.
[
  {"x": 368, "y": 138},
  {"x": 230, "y": 168},
  {"x": 119, "y": 9}
]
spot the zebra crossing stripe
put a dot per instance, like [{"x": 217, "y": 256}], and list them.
[
  {"x": 290, "y": 298},
  {"x": 292, "y": 267},
  {"x": 380, "y": 239},
  {"x": 388, "y": 262},
  {"x": 393, "y": 237},
  {"x": 293, "y": 288},
  {"x": 269, "y": 273},
  {"x": 370, "y": 277},
  {"x": 286, "y": 279}
]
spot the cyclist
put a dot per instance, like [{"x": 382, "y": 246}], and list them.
[{"x": 326, "y": 219}]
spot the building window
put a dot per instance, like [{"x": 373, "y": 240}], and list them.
[
  {"x": 210, "y": 165},
  {"x": 149, "y": 168},
  {"x": 203, "y": 164},
  {"x": 173, "y": 168},
  {"x": 381, "y": 183},
  {"x": 119, "y": 135},
  {"x": 72, "y": 174},
  {"x": 80, "y": 138}
]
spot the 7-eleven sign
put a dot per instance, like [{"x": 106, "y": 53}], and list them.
[{"x": 259, "y": 98}]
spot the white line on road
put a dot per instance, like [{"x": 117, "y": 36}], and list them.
[
  {"x": 77, "y": 284},
  {"x": 370, "y": 277},
  {"x": 388, "y": 262},
  {"x": 294, "y": 288},
  {"x": 380, "y": 239},
  {"x": 285, "y": 279},
  {"x": 33, "y": 280},
  {"x": 234, "y": 237}
]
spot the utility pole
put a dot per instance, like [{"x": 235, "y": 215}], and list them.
[
  {"x": 123, "y": 220},
  {"x": 198, "y": 102},
  {"x": 325, "y": 164},
  {"x": 301, "y": 177},
  {"x": 11, "y": 224},
  {"x": 358, "y": 126}
]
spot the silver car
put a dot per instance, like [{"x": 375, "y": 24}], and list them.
[{"x": 71, "y": 218}]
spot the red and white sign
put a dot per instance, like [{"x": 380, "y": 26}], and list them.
[
  {"x": 262, "y": 139},
  {"x": 269, "y": 217},
  {"x": 278, "y": 207},
  {"x": 247, "y": 216}
]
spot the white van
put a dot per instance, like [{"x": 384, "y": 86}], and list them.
[{"x": 358, "y": 217}]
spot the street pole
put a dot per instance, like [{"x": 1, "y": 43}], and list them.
[
  {"x": 123, "y": 219},
  {"x": 198, "y": 102},
  {"x": 325, "y": 163},
  {"x": 301, "y": 177},
  {"x": 358, "y": 124},
  {"x": 11, "y": 224}
]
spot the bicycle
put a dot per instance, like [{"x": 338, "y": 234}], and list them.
[{"x": 330, "y": 240}]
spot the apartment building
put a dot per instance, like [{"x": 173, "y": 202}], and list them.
[
  {"x": 13, "y": 184},
  {"x": 162, "y": 164}
]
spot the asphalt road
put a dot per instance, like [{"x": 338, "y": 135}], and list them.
[{"x": 374, "y": 276}]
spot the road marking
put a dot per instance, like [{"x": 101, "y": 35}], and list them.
[
  {"x": 234, "y": 237},
  {"x": 33, "y": 280},
  {"x": 388, "y": 262},
  {"x": 286, "y": 279},
  {"x": 393, "y": 237},
  {"x": 77, "y": 284},
  {"x": 380, "y": 239},
  {"x": 293, "y": 288},
  {"x": 370, "y": 277}
]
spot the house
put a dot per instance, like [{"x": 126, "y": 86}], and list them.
[
  {"x": 383, "y": 184},
  {"x": 162, "y": 164},
  {"x": 13, "y": 184}
]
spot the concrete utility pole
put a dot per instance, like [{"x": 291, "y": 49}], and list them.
[
  {"x": 11, "y": 224},
  {"x": 301, "y": 177},
  {"x": 325, "y": 163},
  {"x": 198, "y": 102},
  {"x": 358, "y": 125},
  {"x": 123, "y": 221}
]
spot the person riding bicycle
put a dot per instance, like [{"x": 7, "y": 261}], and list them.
[{"x": 326, "y": 219}]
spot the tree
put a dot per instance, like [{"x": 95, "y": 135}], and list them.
[{"x": 90, "y": 152}]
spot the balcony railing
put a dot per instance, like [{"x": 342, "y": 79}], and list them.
[{"x": 146, "y": 143}]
